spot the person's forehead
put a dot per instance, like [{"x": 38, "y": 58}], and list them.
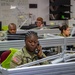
[
  {"x": 68, "y": 28},
  {"x": 12, "y": 26},
  {"x": 38, "y": 21}
]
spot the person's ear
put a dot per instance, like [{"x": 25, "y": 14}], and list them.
[{"x": 63, "y": 31}]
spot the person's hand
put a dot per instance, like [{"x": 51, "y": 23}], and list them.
[{"x": 39, "y": 48}]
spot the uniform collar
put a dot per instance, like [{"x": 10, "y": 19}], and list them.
[
  {"x": 63, "y": 35},
  {"x": 28, "y": 54}
]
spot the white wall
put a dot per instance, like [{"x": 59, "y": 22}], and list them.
[
  {"x": 42, "y": 9},
  {"x": 16, "y": 15}
]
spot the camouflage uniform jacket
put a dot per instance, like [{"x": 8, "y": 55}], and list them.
[{"x": 22, "y": 57}]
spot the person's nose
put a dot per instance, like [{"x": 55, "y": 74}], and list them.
[
  {"x": 33, "y": 43},
  {"x": 13, "y": 31}
]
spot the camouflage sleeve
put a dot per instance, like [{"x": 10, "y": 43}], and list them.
[
  {"x": 16, "y": 59},
  {"x": 45, "y": 62}
]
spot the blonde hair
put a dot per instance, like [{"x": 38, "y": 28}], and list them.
[{"x": 40, "y": 19}]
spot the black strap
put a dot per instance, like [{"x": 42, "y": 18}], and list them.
[{"x": 26, "y": 57}]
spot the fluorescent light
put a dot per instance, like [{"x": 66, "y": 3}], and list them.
[{"x": 13, "y": 7}]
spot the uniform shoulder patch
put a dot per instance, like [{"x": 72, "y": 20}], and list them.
[{"x": 16, "y": 60}]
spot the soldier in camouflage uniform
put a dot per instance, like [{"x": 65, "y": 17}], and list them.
[
  {"x": 65, "y": 30},
  {"x": 28, "y": 54}
]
